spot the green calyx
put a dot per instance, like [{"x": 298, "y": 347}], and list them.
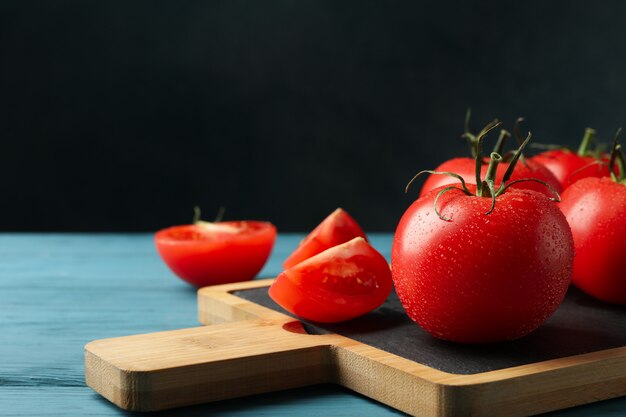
[
  {"x": 486, "y": 187},
  {"x": 617, "y": 161},
  {"x": 499, "y": 148},
  {"x": 467, "y": 135},
  {"x": 475, "y": 141},
  {"x": 197, "y": 216}
]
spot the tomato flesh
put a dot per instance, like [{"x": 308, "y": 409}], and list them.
[
  {"x": 466, "y": 168},
  {"x": 482, "y": 278},
  {"x": 596, "y": 211},
  {"x": 337, "y": 228},
  {"x": 216, "y": 253},
  {"x": 338, "y": 284}
]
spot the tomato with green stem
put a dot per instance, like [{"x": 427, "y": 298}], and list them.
[
  {"x": 338, "y": 284},
  {"x": 482, "y": 263},
  {"x": 569, "y": 166},
  {"x": 211, "y": 253},
  {"x": 596, "y": 211},
  {"x": 339, "y": 227},
  {"x": 466, "y": 167}
]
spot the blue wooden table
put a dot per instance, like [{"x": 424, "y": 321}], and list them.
[{"x": 60, "y": 291}]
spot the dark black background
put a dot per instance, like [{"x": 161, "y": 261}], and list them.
[{"x": 122, "y": 115}]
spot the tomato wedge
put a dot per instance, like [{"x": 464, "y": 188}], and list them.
[
  {"x": 216, "y": 253},
  {"x": 341, "y": 283},
  {"x": 335, "y": 229}
]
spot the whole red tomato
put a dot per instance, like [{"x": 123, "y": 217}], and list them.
[
  {"x": 216, "y": 253},
  {"x": 340, "y": 283},
  {"x": 596, "y": 211},
  {"x": 337, "y": 228},
  {"x": 479, "y": 263},
  {"x": 569, "y": 166},
  {"x": 482, "y": 278}
]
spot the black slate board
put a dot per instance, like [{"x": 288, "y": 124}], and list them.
[{"x": 581, "y": 325}]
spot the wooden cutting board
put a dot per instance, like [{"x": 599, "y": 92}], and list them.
[{"x": 252, "y": 346}]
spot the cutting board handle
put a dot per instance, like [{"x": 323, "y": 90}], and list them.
[{"x": 176, "y": 368}]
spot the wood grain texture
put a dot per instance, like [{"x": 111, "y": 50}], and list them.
[
  {"x": 60, "y": 291},
  {"x": 183, "y": 367},
  {"x": 420, "y": 390},
  {"x": 257, "y": 349}
]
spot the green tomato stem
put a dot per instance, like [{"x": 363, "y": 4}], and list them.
[
  {"x": 487, "y": 187},
  {"x": 479, "y": 164},
  {"x": 467, "y": 135},
  {"x": 439, "y": 194},
  {"x": 618, "y": 160},
  {"x": 621, "y": 163},
  {"x": 479, "y": 145},
  {"x": 516, "y": 156},
  {"x": 583, "y": 149},
  {"x": 504, "y": 135},
  {"x": 450, "y": 174},
  {"x": 220, "y": 214},
  {"x": 197, "y": 214},
  {"x": 490, "y": 175},
  {"x": 617, "y": 157}
]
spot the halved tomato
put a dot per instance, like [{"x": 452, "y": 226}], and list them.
[
  {"x": 335, "y": 229},
  {"x": 216, "y": 253},
  {"x": 341, "y": 283}
]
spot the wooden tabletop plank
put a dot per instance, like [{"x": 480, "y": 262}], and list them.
[{"x": 60, "y": 291}]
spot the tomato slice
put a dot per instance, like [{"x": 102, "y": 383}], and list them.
[
  {"x": 337, "y": 228},
  {"x": 216, "y": 253},
  {"x": 341, "y": 283}
]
